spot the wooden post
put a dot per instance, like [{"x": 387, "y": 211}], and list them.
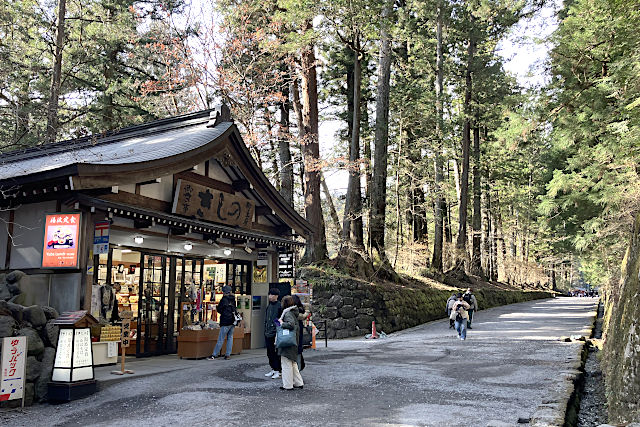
[{"x": 125, "y": 337}]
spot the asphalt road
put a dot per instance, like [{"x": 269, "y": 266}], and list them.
[{"x": 421, "y": 376}]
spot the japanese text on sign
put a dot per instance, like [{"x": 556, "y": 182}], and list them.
[
  {"x": 126, "y": 332},
  {"x": 14, "y": 355},
  {"x": 61, "y": 234},
  {"x": 204, "y": 203},
  {"x": 101, "y": 237}
]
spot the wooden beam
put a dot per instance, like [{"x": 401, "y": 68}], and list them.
[
  {"x": 178, "y": 231},
  {"x": 203, "y": 180},
  {"x": 138, "y": 200},
  {"x": 263, "y": 210},
  {"x": 241, "y": 185},
  {"x": 142, "y": 223}
]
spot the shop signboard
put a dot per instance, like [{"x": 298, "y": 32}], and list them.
[
  {"x": 196, "y": 200},
  {"x": 125, "y": 339},
  {"x": 101, "y": 238},
  {"x": 285, "y": 265},
  {"x": 61, "y": 240},
  {"x": 12, "y": 377}
]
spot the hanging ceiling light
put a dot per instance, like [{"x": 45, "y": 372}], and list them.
[
  {"x": 188, "y": 246},
  {"x": 138, "y": 240},
  {"x": 227, "y": 252}
]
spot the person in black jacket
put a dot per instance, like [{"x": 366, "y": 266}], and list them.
[
  {"x": 274, "y": 310},
  {"x": 226, "y": 309}
]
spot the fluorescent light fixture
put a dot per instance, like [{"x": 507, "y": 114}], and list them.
[
  {"x": 138, "y": 239},
  {"x": 188, "y": 246},
  {"x": 125, "y": 251},
  {"x": 227, "y": 252}
]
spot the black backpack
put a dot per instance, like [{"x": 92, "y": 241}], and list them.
[{"x": 467, "y": 298}]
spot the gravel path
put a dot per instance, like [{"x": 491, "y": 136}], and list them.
[{"x": 421, "y": 376}]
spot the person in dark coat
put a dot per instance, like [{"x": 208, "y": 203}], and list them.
[
  {"x": 301, "y": 315},
  {"x": 291, "y": 377},
  {"x": 274, "y": 311},
  {"x": 226, "y": 309}
]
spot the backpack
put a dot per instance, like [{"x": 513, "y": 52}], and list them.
[{"x": 467, "y": 298}]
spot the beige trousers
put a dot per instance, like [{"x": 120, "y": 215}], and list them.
[{"x": 290, "y": 373}]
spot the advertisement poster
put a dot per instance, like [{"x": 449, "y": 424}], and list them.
[
  {"x": 12, "y": 378},
  {"x": 61, "y": 234}
]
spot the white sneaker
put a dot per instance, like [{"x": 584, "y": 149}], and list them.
[
  {"x": 276, "y": 375},
  {"x": 269, "y": 374}
]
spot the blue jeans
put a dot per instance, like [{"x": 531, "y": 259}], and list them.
[
  {"x": 228, "y": 332},
  {"x": 461, "y": 327}
]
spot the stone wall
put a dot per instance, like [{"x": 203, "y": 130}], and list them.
[
  {"x": 36, "y": 323},
  {"x": 350, "y": 305},
  {"x": 621, "y": 359}
]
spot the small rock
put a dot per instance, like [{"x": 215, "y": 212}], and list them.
[
  {"x": 50, "y": 333},
  {"x": 50, "y": 312},
  {"x": 14, "y": 276},
  {"x": 28, "y": 394},
  {"x": 35, "y": 346},
  {"x": 15, "y": 309},
  {"x": 7, "y": 326},
  {"x": 33, "y": 368},
  {"x": 5, "y": 293},
  {"x": 35, "y": 315},
  {"x": 46, "y": 368}
]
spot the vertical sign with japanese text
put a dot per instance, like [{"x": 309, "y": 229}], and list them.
[
  {"x": 12, "y": 378},
  {"x": 101, "y": 238},
  {"x": 285, "y": 265},
  {"x": 61, "y": 239}
]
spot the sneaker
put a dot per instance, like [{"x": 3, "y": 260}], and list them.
[
  {"x": 275, "y": 375},
  {"x": 211, "y": 358},
  {"x": 300, "y": 387},
  {"x": 282, "y": 388},
  {"x": 270, "y": 373},
  {"x": 227, "y": 358}
]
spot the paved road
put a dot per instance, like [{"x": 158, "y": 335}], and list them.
[{"x": 421, "y": 376}]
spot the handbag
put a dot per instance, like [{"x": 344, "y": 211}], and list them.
[
  {"x": 285, "y": 337},
  {"x": 237, "y": 318}
]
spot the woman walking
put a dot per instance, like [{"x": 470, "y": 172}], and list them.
[
  {"x": 301, "y": 316},
  {"x": 291, "y": 377}
]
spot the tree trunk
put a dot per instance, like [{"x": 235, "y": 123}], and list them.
[
  {"x": 461, "y": 242},
  {"x": 352, "y": 223},
  {"x": 316, "y": 249},
  {"x": 476, "y": 254},
  {"x": 54, "y": 93},
  {"x": 379, "y": 190},
  {"x": 332, "y": 207},
  {"x": 436, "y": 259},
  {"x": 297, "y": 109},
  {"x": 284, "y": 149}
]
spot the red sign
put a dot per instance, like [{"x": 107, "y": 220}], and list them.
[{"x": 61, "y": 240}]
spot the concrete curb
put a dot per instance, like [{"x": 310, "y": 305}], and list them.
[{"x": 554, "y": 409}]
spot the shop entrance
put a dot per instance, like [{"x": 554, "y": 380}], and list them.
[{"x": 164, "y": 282}]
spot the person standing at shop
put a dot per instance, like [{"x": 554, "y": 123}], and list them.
[
  {"x": 273, "y": 313},
  {"x": 291, "y": 377},
  {"x": 301, "y": 315},
  {"x": 226, "y": 309}
]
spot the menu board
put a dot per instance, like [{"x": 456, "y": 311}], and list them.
[
  {"x": 82, "y": 348},
  {"x": 12, "y": 377},
  {"x": 285, "y": 265},
  {"x": 61, "y": 239},
  {"x": 63, "y": 351}
]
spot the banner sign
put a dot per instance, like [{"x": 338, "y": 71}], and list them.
[
  {"x": 74, "y": 356},
  {"x": 285, "y": 265},
  {"x": 61, "y": 239},
  {"x": 12, "y": 377},
  {"x": 195, "y": 200},
  {"x": 101, "y": 238}
]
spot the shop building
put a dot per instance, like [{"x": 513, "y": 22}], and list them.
[{"x": 152, "y": 219}]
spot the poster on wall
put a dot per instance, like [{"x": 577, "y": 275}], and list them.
[
  {"x": 61, "y": 240},
  {"x": 259, "y": 274},
  {"x": 12, "y": 377}
]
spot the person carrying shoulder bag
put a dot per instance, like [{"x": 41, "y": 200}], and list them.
[
  {"x": 291, "y": 377},
  {"x": 227, "y": 310}
]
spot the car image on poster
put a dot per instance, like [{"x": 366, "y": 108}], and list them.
[{"x": 61, "y": 239}]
